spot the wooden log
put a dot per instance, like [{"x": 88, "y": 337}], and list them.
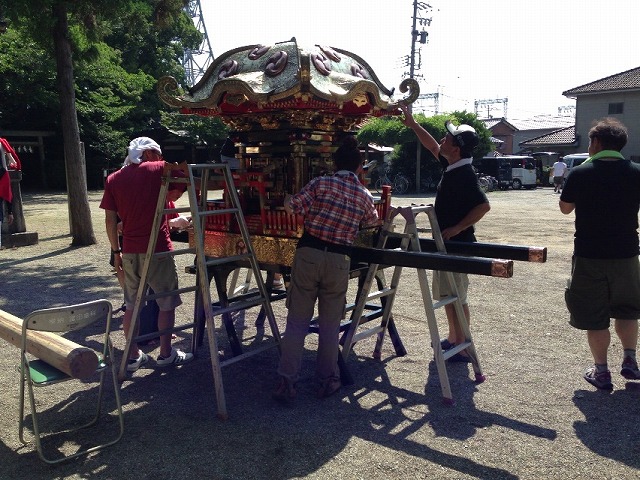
[
  {"x": 73, "y": 359},
  {"x": 434, "y": 261}
]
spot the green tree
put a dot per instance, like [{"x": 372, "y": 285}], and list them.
[
  {"x": 27, "y": 78},
  {"x": 197, "y": 129},
  {"x": 72, "y": 31},
  {"x": 108, "y": 100}
]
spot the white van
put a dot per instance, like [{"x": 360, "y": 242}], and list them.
[
  {"x": 574, "y": 160},
  {"x": 523, "y": 171}
]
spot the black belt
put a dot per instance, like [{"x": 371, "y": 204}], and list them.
[{"x": 310, "y": 241}]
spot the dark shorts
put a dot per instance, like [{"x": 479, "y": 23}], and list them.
[{"x": 601, "y": 289}]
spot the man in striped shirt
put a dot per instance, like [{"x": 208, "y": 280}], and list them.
[{"x": 334, "y": 207}]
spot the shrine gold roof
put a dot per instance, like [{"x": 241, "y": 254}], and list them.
[{"x": 258, "y": 79}]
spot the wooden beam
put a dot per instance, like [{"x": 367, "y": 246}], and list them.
[
  {"x": 434, "y": 261},
  {"x": 73, "y": 359},
  {"x": 477, "y": 249}
]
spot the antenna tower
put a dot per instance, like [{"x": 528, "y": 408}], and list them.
[
  {"x": 490, "y": 103},
  {"x": 567, "y": 110},
  {"x": 434, "y": 97},
  {"x": 196, "y": 61}
]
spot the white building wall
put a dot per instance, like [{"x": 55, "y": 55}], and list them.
[{"x": 590, "y": 108}]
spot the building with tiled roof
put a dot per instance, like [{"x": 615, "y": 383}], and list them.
[
  {"x": 629, "y": 80},
  {"x": 542, "y": 122},
  {"x": 537, "y": 126},
  {"x": 502, "y": 131},
  {"x": 562, "y": 141},
  {"x": 613, "y": 96},
  {"x": 513, "y": 132}
]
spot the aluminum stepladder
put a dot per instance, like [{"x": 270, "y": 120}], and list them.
[
  {"x": 410, "y": 241},
  {"x": 211, "y": 177}
]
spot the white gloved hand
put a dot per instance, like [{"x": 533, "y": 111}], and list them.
[{"x": 179, "y": 223}]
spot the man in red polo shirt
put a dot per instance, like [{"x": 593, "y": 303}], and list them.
[{"x": 131, "y": 194}]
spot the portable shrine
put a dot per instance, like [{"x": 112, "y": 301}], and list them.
[{"x": 288, "y": 108}]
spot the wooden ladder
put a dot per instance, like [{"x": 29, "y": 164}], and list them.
[{"x": 200, "y": 179}]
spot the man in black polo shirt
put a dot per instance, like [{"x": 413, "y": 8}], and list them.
[
  {"x": 459, "y": 204},
  {"x": 605, "y": 280}
]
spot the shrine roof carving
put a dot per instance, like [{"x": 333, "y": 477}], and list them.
[{"x": 270, "y": 80}]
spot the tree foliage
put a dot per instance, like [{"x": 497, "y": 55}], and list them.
[
  {"x": 120, "y": 48},
  {"x": 27, "y": 78},
  {"x": 107, "y": 54},
  {"x": 196, "y": 129}
]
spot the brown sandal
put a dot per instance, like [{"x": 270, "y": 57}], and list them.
[
  {"x": 285, "y": 393},
  {"x": 329, "y": 387}
]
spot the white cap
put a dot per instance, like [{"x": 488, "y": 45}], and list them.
[{"x": 464, "y": 135}]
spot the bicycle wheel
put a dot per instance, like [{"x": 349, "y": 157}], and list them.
[
  {"x": 378, "y": 185},
  {"x": 484, "y": 184},
  {"x": 400, "y": 184}
]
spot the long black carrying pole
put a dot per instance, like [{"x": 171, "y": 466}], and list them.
[
  {"x": 476, "y": 249},
  {"x": 434, "y": 261}
]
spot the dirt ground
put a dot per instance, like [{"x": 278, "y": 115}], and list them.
[{"x": 533, "y": 418}]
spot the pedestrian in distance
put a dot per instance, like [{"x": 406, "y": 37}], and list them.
[
  {"x": 559, "y": 173},
  {"x": 604, "y": 193}
]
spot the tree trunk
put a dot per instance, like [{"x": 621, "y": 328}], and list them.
[{"x": 79, "y": 210}]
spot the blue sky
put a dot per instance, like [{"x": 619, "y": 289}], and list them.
[{"x": 526, "y": 51}]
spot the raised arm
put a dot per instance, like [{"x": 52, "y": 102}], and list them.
[{"x": 425, "y": 137}]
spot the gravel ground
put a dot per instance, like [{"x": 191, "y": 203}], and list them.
[{"x": 534, "y": 417}]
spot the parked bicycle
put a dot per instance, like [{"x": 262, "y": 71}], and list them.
[
  {"x": 399, "y": 183},
  {"x": 487, "y": 182},
  {"x": 429, "y": 183}
]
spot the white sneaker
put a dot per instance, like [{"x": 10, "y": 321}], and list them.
[
  {"x": 177, "y": 357},
  {"x": 135, "y": 363}
]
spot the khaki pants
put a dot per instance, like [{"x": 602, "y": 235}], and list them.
[{"x": 322, "y": 276}]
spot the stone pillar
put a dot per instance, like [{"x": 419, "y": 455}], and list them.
[{"x": 16, "y": 235}]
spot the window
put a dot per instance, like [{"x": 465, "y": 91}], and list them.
[{"x": 616, "y": 108}]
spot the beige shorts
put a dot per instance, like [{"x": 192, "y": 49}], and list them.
[
  {"x": 162, "y": 277},
  {"x": 442, "y": 289}
]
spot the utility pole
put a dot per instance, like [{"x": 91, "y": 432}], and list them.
[
  {"x": 421, "y": 37},
  {"x": 418, "y": 36},
  {"x": 196, "y": 62}
]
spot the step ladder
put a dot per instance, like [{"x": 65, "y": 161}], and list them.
[
  {"x": 200, "y": 179},
  {"x": 410, "y": 241}
]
